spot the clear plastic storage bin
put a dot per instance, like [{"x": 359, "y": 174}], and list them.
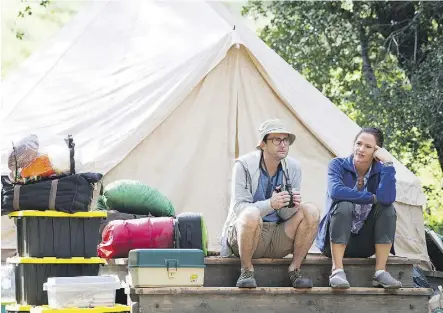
[
  {"x": 8, "y": 283},
  {"x": 81, "y": 291}
]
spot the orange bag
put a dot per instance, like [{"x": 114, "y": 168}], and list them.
[{"x": 41, "y": 166}]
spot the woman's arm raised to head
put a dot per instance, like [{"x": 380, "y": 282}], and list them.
[
  {"x": 337, "y": 189},
  {"x": 386, "y": 189}
]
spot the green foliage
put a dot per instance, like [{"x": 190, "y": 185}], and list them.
[
  {"x": 381, "y": 63},
  {"x": 26, "y": 11},
  {"x": 21, "y": 36}
]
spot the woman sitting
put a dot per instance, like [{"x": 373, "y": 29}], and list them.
[{"x": 361, "y": 220}]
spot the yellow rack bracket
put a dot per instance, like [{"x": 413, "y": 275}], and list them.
[
  {"x": 50, "y": 213},
  {"x": 18, "y": 308},
  {"x": 53, "y": 260},
  {"x": 112, "y": 309}
]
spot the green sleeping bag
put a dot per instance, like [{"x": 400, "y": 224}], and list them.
[{"x": 135, "y": 197}]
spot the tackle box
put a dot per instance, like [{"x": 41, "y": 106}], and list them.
[
  {"x": 31, "y": 273},
  {"x": 57, "y": 234},
  {"x": 166, "y": 268}
]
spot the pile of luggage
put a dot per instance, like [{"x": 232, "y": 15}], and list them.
[
  {"x": 140, "y": 217},
  {"x": 56, "y": 264},
  {"x": 52, "y": 207},
  {"x": 44, "y": 177}
]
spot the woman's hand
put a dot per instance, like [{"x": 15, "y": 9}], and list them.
[{"x": 382, "y": 155}]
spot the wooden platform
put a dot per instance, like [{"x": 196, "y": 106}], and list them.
[
  {"x": 273, "y": 295},
  {"x": 281, "y": 300},
  {"x": 224, "y": 272},
  {"x": 435, "y": 278}
]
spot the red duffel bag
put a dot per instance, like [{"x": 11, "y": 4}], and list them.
[{"x": 121, "y": 236}]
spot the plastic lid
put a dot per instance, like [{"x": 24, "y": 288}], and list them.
[{"x": 166, "y": 257}]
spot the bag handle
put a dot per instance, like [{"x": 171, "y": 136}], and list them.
[
  {"x": 188, "y": 234},
  {"x": 16, "y": 162},
  {"x": 71, "y": 145}
]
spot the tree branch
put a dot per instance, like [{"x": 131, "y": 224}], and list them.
[
  {"x": 398, "y": 31},
  {"x": 415, "y": 47}
]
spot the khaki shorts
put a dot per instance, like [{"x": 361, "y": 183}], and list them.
[{"x": 273, "y": 242}]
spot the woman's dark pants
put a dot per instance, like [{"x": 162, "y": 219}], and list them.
[{"x": 379, "y": 227}]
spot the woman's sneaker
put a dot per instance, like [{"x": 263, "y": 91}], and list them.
[
  {"x": 385, "y": 280},
  {"x": 338, "y": 280},
  {"x": 246, "y": 280}
]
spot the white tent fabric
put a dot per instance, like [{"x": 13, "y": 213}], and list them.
[{"x": 170, "y": 93}]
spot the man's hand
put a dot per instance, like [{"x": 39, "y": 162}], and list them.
[
  {"x": 280, "y": 200},
  {"x": 296, "y": 198},
  {"x": 382, "y": 155}
]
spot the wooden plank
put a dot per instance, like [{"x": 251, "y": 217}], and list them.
[
  {"x": 311, "y": 259},
  {"x": 278, "y": 290},
  {"x": 276, "y": 275},
  {"x": 245, "y": 301},
  {"x": 120, "y": 261},
  {"x": 433, "y": 274},
  {"x": 435, "y": 278},
  {"x": 119, "y": 271}
]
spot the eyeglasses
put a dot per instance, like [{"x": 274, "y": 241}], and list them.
[{"x": 277, "y": 141}]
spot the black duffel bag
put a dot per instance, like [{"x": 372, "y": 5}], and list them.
[{"x": 69, "y": 194}]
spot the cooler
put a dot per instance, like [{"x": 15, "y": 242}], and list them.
[
  {"x": 31, "y": 273},
  {"x": 166, "y": 268},
  {"x": 57, "y": 234}
]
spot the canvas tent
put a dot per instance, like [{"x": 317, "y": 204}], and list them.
[{"x": 170, "y": 93}]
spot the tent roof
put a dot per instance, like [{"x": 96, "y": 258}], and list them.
[{"x": 121, "y": 68}]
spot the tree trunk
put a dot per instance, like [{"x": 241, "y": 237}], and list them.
[
  {"x": 438, "y": 145},
  {"x": 367, "y": 68}
]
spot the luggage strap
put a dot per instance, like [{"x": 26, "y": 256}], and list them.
[
  {"x": 16, "y": 200},
  {"x": 52, "y": 194},
  {"x": 71, "y": 145}
]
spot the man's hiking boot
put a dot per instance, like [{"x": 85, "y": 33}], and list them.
[
  {"x": 246, "y": 280},
  {"x": 298, "y": 280},
  {"x": 338, "y": 280},
  {"x": 385, "y": 280}
]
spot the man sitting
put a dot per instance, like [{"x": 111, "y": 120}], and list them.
[{"x": 264, "y": 220}]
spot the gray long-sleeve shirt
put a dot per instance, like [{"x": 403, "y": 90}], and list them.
[{"x": 245, "y": 176}]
